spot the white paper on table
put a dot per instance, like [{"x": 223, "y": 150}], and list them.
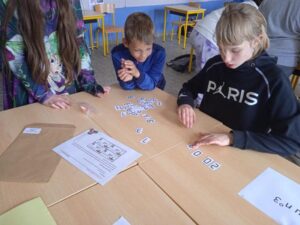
[
  {"x": 275, "y": 195},
  {"x": 121, "y": 221},
  {"x": 96, "y": 154}
]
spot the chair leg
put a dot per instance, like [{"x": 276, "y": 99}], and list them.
[
  {"x": 91, "y": 36},
  {"x": 179, "y": 34},
  {"x": 103, "y": 43},
  {"x": 191, "y": 60},
  {"x": 107, "y": 44},
  {"x": 294, "y": 81},
  {"x": 97, "y": 39},
  {"x": 117, "y": 37}
]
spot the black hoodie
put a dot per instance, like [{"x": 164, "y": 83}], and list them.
[{"x": 255, "y": 100}]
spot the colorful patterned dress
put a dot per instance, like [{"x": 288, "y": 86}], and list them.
[{"x": 21, "y": 89}]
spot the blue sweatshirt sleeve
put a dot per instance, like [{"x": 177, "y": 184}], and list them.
[
  {"x": 151, "y": 71},
  {"x": 284, "y": 135},
  {"x": 116, "y": 59}
]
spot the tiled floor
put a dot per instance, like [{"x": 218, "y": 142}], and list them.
[{"x": 105, "y": 73}]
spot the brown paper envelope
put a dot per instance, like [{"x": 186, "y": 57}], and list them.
[{"x": 29, "y": 158}]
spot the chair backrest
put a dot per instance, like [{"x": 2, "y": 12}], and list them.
[{"x": 106, "y": 8}]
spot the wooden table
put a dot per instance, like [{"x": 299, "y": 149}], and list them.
[
  {"x": 90, "y": 16},
  {"x": 165, "y": 132},
  {"x": 66, "y": 180},
  {"x": 211, "y": 197},
  {"x": 185, "y": 10},
  {"x": 168, "y": 185},
  {"x": 131, "y": 194}
]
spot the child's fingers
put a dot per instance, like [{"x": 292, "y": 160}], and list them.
[
  {"x": 122, "y": 63},
  {"x": 122, "y": 73},
  {"x": 106, "y": 89},
  {"x": 54, "y": 106},
  {"x": 222, "y": 139},
  {"x": 130, "y": 66},
  {"x": 127, "y": 78},
  {"x": 123, "y": 77},
  {"x": 58, "y": 102},
  {"x": 60, "y": 105},
  {"x": 186, "y": 115}
]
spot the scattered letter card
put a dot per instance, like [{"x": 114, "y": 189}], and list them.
[
  {"x": 275, "y": 195},
  {"x": 121, "y": 221},
  {"x": 98, "y": 155}
]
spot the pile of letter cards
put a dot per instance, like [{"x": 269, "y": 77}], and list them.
[
  {"x": 97, "y": 155},
  {"x": 275, "y": 195}
]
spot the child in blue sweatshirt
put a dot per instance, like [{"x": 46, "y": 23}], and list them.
[
  {"x": 244, "y": 88},
  {"x": 138, "y": 61}
]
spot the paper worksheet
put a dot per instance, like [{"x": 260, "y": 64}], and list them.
[
  {"x": 97, "y": 155},
  {"x": 275, "y": 195}
]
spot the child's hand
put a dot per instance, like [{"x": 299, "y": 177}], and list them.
[
  {"x": 186, "y": 115},
  {"x": 131, "y": 68},
  {"x": 222, "y": 139},
  {"x": 124, "y": 75},
  {"x": 58, "y": 102},
  {"x": 106, "y": 91}
]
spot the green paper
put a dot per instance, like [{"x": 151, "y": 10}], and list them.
[{"x": 33, "y": 212}]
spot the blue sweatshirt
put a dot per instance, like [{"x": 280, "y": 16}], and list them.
[
  {"x": 151, "y": 71},
  {"x": 255, "y": 100}
]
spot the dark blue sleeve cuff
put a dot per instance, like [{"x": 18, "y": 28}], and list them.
[{"x": 239, "y": 139}]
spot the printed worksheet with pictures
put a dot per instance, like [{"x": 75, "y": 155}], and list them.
[{"x": 97, "y": 155}]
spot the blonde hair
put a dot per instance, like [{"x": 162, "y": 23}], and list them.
[
  {"x": 139, "y": 26},
  {"x": 239, "y": 23}
]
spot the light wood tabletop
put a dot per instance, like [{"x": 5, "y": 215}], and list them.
[
  {"x": 170, "y": 184},
  {"x": 211, "y": 197},
  {"x": 131, "y": 194},
  {"x": 165, "y": 132},
  {"x": 66, "y": 180}
]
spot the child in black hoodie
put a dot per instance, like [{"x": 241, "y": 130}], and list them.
[{"x": 243, "y": 88}]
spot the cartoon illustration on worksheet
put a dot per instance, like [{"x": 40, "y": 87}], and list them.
[{"x": 106, "y": 149}]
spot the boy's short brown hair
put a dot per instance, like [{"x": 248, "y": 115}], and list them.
[{"x": 139, "y": 26}]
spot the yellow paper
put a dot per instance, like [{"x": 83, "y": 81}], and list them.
[{"x": 33, "y": 212}]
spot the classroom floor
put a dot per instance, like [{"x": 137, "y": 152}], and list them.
[{"x": 105, "y": 74}]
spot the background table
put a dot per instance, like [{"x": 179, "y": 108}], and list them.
[
  {"x": 185, "y": 10},
  {"x": 90, "y": 16}
]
